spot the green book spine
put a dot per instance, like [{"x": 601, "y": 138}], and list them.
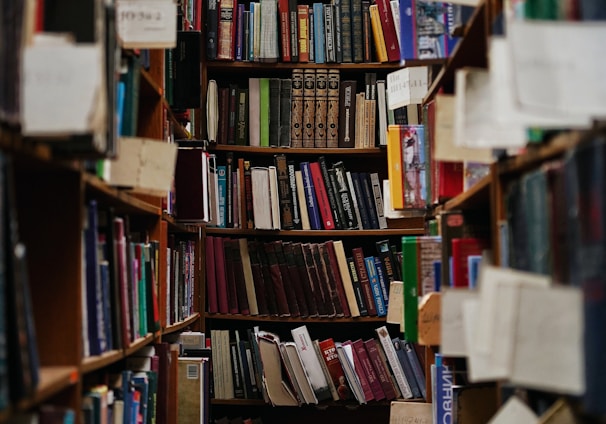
[
  {"x": 264, "y": 113},
  {"x": 409, "y": 274}
]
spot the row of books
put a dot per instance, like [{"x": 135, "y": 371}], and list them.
[
  {"x": 121, "y": 287},
  {"x": 339, "y": 31},
  {"x": 313, "y": 108},
  {"x": 305, "y": 371},
  {"x": 282, "y": 278}
]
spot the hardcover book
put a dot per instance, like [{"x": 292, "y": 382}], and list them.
[
  {"x": 309, "y": 107},
  {"x": 296, "y": 116},
  {"x": 332, "y": 120},
  {"x": 347, "y": 113},
  {"x": 311, "y": 363},
  {"x": 321, "y": 111}
]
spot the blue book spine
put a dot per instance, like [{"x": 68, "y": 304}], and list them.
[
  {"x": 369, "y": 261},
  {"x": 141, "y": 384},
  {"x": 319, "y": 42},
  {"x": 93, "y": 284},
  {"x": 408, "y": 48},
  {"x": 406, "y": 367},
  {"x": 423, "y": 163},
  {"x": 383, "y": 280},
  {"x": 222, "y": 184},
  {"x": 416, "y": 367},
  {"x": 121, "y": 93},
  {"x": 473, "y": 267},
  {"x": 240, "y": 33},
  {"x": 310, "y": 197},
  {"x": 107, "y": 313},
  {"x": 443, "y": 399},
  {"x": 437, "y": 273},
  {"x": 251, "y": 29}
]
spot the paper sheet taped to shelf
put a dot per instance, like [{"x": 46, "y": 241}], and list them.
[{"x": 146, "y": 24}]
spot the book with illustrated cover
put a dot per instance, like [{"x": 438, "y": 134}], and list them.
[{"x": 296, "y": 113}]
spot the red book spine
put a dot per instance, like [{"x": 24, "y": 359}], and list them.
[
  {"x": 332, "y": 256},
  {"x": 358, "y": 257},
  {"x": 389, "y": 30},
  {"x": 284, "y": 21},
  {"x": 371, "y": 375},
  {"x": 329, "y": 353},
  {"x": 361, "y": 373},
  {"x": 211, "y": 277},
  {"x": 328, "y": 221},
  {"x": 380, "y": 369},
  {"x": 461, "y": 249},
  {"x": 221, "y": 276}
]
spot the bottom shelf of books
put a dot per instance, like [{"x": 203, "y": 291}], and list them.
[{"x": 341, "y": 370}]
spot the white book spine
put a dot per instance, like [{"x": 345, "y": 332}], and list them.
[{"x": 392, "y": 358}]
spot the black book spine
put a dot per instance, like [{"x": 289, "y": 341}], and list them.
[{"x": 338, "y": 216}]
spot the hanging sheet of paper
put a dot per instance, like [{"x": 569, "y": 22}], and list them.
[
  {"x": 559, "y": 66},
  {"x": 67, "y": 71},
  {"x": 406, "y": 86},
  {"x": 146, "y": 24}
]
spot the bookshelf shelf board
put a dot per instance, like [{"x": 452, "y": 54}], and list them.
[
  {"x": 476, "y": 196},
  {"x": 469, "y": 51},
  {"x": 180, "y": 132},
  {"x": 321, "y": 406},
  {"x": 180, "y": 325},
  {"x": 123, "y": 202},
  {"x": 52, "y": 380},
  {"x": 536, "y": 154},
  {"x": 376, "y": 151},
  {"x": 307, "y": 320},
  {"x": 357, "y": 67},
  {"x": 414, "y": 230},
  {"x": 93, "y": 363},
  {"x": 138, "y": 344},
  {"x": 150, "y": 85},
  {"x": 180, "y": 227}
]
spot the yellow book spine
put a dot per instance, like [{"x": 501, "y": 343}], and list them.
[
  {"x": 377, "y": 32},
  {"x": 394, "y": 166}
]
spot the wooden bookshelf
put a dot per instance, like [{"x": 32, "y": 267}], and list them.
[
  {"x": 413, "y": 230},
  {"x": 259, "y": 318},
  {"x": 53, "y": 379}
]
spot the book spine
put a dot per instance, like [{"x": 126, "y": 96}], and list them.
[
  {"x": 315, "y": 221},
  {"x": 284, "y": 192},
  {"x": 389, "y": 30},
  {"x": 276, "y": 279},
  {"x": 367, "y": 35},
  {"x": 329, "y": 34},
  {"x": 291, "y": 294},
  {"x": 336, "y": 13},
  {"x": 225, "y": 44},
  {"x": 416, "y": 367},
  {"x": 274, "y": 112},
  {"x": 239, "y": 33},
  {"x": 296, "y": 115},
  {"x": 410, "y": 277},
  {"x": 233, "y": 111},
  {"x": 383, "y": 281},
  {"x": 398, "y": 346},
  {"x": 332, "y": 119},
  {"x": 377, "y": 33},
  {"x": 285, "y": 111},
  {"x": 371, "y": 375},
  {"x": 212, "y": 26},
  {"x": 373, "y": 277},
  {"x": 357, "y": 32},
  {"x": 303, "y": 18},
  {"x": 250, "y": 220},
  {"x": 241, "y": 136},
  {"x": 221, "y": 275},
  {"x": 284, "y": 22},
  {"x": 378, "y": 199},
  {"x": 347, "y": 115},
  {"x": 394, "y": 167},
  {"x": 321, "y": 108},
  {"x": 358, "y": 292},
  {"x": 382, "y": 373},
  {"x": 295, "y": 278},
  {"x": 264, "y": 119},
  {"x": 309, "y": 107},
  {"x": 294, "y": 30},
  {"x": 319, "y": 34},
  {"x": 354, "y": 201},
  {"x": 330, "y": 279},
  {"x": 305, "y": 225},
  {"x": 296, "y": 207},
  {"x": 328, "y": 222},
  {"x": 393, "y": 361},
  {"x": 368, "y": 199},
  {"x": 343, "y": 196},
  {"x": 306, "y": 284},
  {"x": 358, "y": 257},
  {"x": 314, "y": 279},
  {"x": 311, "y": 363},
  {"x": 258, "y": 279}
]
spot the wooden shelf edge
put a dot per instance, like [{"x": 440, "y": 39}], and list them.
[
  {"x": 93, "y": 363},
  {"x": 481, "y": 188},
  {"x": 319, "y": 233},
  {"x": 309, "y": 320},
  {"x": 539, "y": 153},
  {"x": 122, "y": 198},
  {"x": 180, "y": 325},
  {"x": 138, "y": 344},
  {"x": 53, "y": 379},
  {"x": 231, "y": 65},
  {"x": 288, "y": 150},
  {"x": 322, "y": 405},
  {"x": 180, "y": 227}
]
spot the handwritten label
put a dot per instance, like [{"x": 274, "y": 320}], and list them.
[
  {"x": 146, "y": 24},
  {"x": 429, "y": 319},
  {"x": 410, "y": 413},
  {"x": 406, "y": 86}
]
